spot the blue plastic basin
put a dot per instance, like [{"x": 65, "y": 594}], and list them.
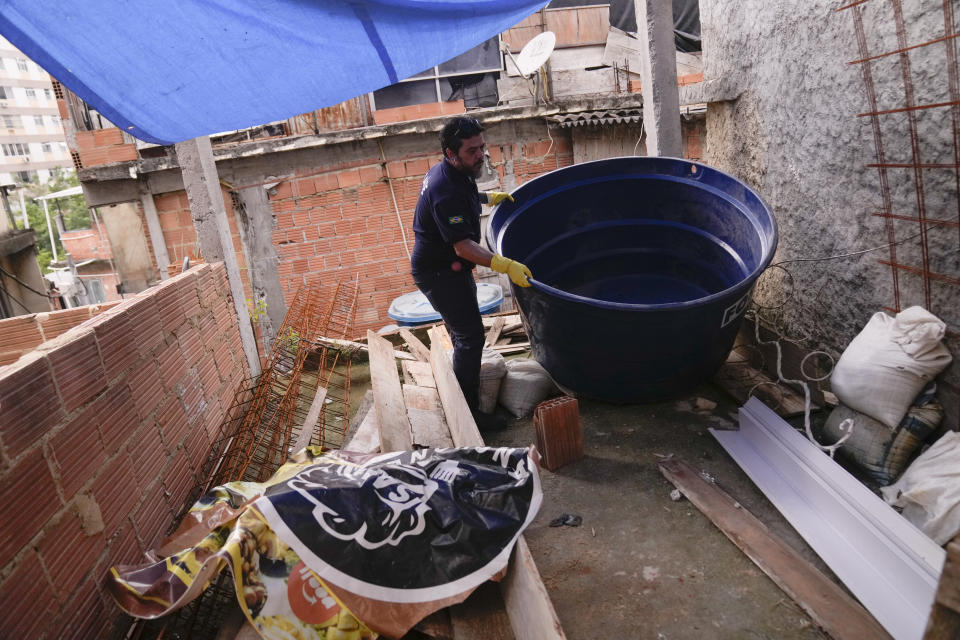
[{"x": 643, "y": 268}]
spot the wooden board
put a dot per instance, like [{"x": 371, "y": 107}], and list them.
[
  {"x": 367, "y": 437},
  {"x": 427, "y": 422},
  {"x": 347, "y": 344},
  {"x": 442, "y": 335},
  {"x": 509, "y": 349},
  {"x": 418, "y": 373},
  {"x": 366, "y": 404},
  {"x": 531, "y": 613},
  {"x": 739, "y": 378},
  {"x": 463, "y": 429},
  {"x": 838, "y": 614},
  {"x": 388, "y": 396},
  {"x": 494, "y": 333},
  {"x": 310, "y": 422},
  {"x": 416, "y": 347}
]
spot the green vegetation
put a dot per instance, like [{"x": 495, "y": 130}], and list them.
[{"x": 74, "y": 210}]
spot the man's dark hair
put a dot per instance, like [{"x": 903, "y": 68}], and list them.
[{"x": 456, "y": 131}]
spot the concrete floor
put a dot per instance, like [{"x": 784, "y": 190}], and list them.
[{"x": 642, "y": 566}]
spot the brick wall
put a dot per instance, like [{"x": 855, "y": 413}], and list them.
[
  {"x": 103, "y": 146},
  {"x": 23, "y": 333},
  {"x": 86, "y": 244},
  {"x": 104, "y": 432}
]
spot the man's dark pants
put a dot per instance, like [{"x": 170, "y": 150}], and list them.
[{"x": 453, "y": 294}]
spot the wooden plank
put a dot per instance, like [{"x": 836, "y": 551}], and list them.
[
  {"x": 367, "y": 437},
  {"x": 441, "y": 332},
  {"x": 494, "y": 333},
  {"x": 310, "y": 422},
  {"x": 388, "y": 396},
  {"x": 838, "y": 614},
  {"x": 481, "y": 616},
  {"x": 739, "y": 378},
  {"x": 427, "y": 423},
  {"x": 366, "y": 403},
  {"x": 463, "y": 429},
  {"x": 348, "y": 344},
  {"x": 416, "y": 347},
  {"x": 509, "y": 318},
  {"x": 508, "y": 349},
  {"x": 532, "y": 616},
  {"x": 593, "y": 24},
  {"x": 418, "y": 373}
]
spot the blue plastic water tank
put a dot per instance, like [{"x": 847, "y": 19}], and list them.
[
  {"x": 413, "y": 308},
  {"x": 642, "y": 270}
]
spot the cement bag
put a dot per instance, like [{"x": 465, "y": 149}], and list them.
[
  {"x": 883, "y": 453},
  {"x": 929, "y": 491},
  {"x": 492, "y": 369},
  {"x": 526, "y": 384},
  {"x": 889, "y": 362}
]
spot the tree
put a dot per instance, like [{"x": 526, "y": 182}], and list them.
[{"x": 76, "y": 215}]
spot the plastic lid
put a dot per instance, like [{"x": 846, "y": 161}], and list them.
[{"x": 414, "y": 307}]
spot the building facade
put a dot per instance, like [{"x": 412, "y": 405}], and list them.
[{"x": 31, "y": 132}]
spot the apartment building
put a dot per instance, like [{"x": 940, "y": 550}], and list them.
[{"x": 32, "y": 142}]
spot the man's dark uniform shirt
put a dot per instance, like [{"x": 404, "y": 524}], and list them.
[{"x": 447, "y": 212}]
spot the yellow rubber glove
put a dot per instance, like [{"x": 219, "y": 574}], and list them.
[
  {"x": 496, "y": 197},
  {"x": 518, "y": 272}
]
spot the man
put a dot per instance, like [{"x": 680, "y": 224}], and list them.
[{"x": 446, "y": 226}]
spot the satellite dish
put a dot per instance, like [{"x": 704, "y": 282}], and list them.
[{"x": 535, "y": 53}]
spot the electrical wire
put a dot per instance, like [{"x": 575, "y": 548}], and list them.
[
  {"x": 23, "y": 284},
  {"x": 14, "y": 298}
]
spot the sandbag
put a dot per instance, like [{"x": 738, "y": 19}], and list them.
[
  {"x": 526, "y": 384},
  {"x": 929, "y": 490},
  {"x": 883, "y": 453},
  {"x": 492, "y": 369},
  {"x": 887, "y": 365}
]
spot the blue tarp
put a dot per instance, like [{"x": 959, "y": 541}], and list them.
[{"x": 171, "y": 70}]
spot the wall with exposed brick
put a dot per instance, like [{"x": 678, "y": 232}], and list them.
[
  {"x": 23, "y": 333},
  {"x": 104, "y": 433},
  {"x": 103, "y": 146},
  {"x": 86, "y": 244}
]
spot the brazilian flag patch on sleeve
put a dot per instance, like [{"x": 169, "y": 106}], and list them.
[{"x": 455, "y": 219}]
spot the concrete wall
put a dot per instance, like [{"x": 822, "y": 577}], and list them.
[
  {"x": 127, "y": 235},
  {"x": 793, "y": 134},
  {"x": 104, "y": 432}
]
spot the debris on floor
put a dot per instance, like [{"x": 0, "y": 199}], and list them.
[
  {"x": 567, "y": 520},
  {"x": 558, "y": 431}
]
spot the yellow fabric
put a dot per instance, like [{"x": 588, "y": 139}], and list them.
[{"x": 518, "y": 272}]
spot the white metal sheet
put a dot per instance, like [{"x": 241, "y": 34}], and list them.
[{"x": 886, "y": 562}]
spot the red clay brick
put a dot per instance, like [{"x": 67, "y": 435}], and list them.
[
  {"x": 116, "y": 342},
  {"x": 197, "y": 447},
  {"x": 146, "y": 448},
  {"x": 29, "y": 404},
  {"x": 107, "y": 137},
  {"x": 68, "y": 552},
  {"x": 417, "y": 167},
  {"x": 192, "y": 396},
  {"x": 20, "y": 333},
  {"x": 28, "y": 600},
  {"x": 191, "y": 346},
  {"x": 77, "y": 370},
  {"x": 78, "y": 451},
  {"x": 86, "y": 141},
  {"x": 169, "y": 306},
  {"x": 29, "y": 499},
  {"x": 125, "y": 153},
  {"x": 57, "y": 323},
  {"x": 116, "y": 491},
  {"x": 145, "y": 387},
  {"x": 348, "y": 178},
  {"x": 153, "y": 517},
  {"x": 123, "y": 547},
  {"x": 84, "y": 616},
  {"x": 117, "y": 417},
  {"x": 178, "y": 480},
  {"x": 172, "y": 420},
  {"x": 145, "y": 322},
  {"x": 172, "y": 365}
]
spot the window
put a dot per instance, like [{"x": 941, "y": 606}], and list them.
[
  {"x": 48, "y": 94},
  {"x": 95, "y": 291},
  {"x": 38, "y": 120},
  {"x": 8, "y": 122},
  {"x": 5, "y": 93},
  {"x": 22, "y": 64},
  {"x": 56, "y": 120},
  {"x": 469, "y": 77},
  {"x": 15, "y": 149},
  {"x": 31, "y": 93},
  {"x": 63, "y": 146},
  {"x": 47, "y": 147}
]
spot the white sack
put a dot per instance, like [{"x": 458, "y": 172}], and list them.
[
  {"x": 889, "y": 362},
  {"x": 929, "y": 490},
  {"x": 526, "y": 384},
  {"x": 492, "y": 369}
]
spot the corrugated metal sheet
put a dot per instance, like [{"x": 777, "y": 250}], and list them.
[{"x": 347, "y": 115}]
